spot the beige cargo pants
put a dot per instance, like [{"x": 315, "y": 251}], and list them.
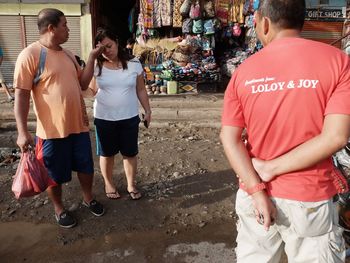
[{"x": 307, "y": 231}]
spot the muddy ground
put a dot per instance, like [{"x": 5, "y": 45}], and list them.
[{"x": 188, "y": 199}]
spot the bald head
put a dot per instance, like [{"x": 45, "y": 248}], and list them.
[
  {"x": 48, "y": 16},
  {"x": 286, "y": 14}
]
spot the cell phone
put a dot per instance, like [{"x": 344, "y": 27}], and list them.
[{"x": 145, "y": 122}]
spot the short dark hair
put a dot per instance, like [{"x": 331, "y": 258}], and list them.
[
  {"x": 48, "y": 16},
  {"x": 287, "y": 14}
]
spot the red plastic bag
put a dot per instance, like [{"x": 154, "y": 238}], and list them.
[{"x": 31, "y": 176}]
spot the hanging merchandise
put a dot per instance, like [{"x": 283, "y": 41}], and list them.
[
  {"x": 236, "y": 8},
  {"x": 195, "y": 11},
  {"x": 222, "y": 10},
  {"x": 157, "y": 18},
  {"x": 217, "y": 24},
  {"x": 208, "y": 27},
  {"x": 185, "y": 8},
  {"x": 209, "y": 10},
  {"x": 166, "y": 12},
  {"x": 232, "y": 14},
  {"x": 221, "y": 27},
  {"x": 197, "y": 26},
  {"x": 187, "y": 26},
  {"x": 241, "y": 9},
  {"x": 227, "y": 32},
  {"x": 236, "y": 30},
  {"x": 237, "y": 38},
  {"x": 256, "y": 4},
  {"x": 152, "y": 33},
  {"x": 147, "y": 12},
  {"x": 177, "y": 18},
  {"x": 206, "y": 44},
  {"x": 141, "y": 30},
  {"x": 131, "y": 19}
]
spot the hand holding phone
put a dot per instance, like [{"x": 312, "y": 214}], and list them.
[{"x": 145, "y": 122}]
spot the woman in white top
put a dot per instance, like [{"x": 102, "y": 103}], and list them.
[{"x": 118, "y": 83}]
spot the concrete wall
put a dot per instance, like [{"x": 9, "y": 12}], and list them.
[
  {"x": 33, "y": 9},
  {"x": 69, "y": 8}
]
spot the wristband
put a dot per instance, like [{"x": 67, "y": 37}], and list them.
[{"x": 257, "y": 188}]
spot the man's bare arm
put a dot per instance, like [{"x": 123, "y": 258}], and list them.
[
  {"x": 334, "y": 136},
  {"x": 22, "y": 102},
  {"x": 240, "y": 161}
]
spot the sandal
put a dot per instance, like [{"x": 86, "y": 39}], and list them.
[
  {"x": 113, "y": 195},
  {"x": 135, "y": 195}
]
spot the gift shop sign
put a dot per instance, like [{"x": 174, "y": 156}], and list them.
[{"x": 327, "y": 14}]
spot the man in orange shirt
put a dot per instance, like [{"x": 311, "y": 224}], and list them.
[
  {"x": 62, "y": 134},
  {"x": 293, "y": 98}
]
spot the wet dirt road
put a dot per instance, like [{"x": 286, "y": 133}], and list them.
[{"x": 186, "y": 214}]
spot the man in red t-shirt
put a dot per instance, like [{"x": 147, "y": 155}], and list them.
[{"x": 293, "y": 98}]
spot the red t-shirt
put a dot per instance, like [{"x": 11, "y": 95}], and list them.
[{"x": 281, "y": 95}]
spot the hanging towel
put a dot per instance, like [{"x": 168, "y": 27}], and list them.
[
  {"x": 147, "y": 12},
  {"x": 166, "y": 12},
  {"x": 177, "y": 18},
  {"x": 157, "y": 19},
  {"x": 222, "y": 10}
]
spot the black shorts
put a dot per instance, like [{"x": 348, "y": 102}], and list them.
[{"x": 117, "y": 136}]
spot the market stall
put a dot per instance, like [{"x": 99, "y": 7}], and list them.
[{"x": 192, "y": 46}]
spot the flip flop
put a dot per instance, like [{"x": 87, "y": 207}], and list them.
[
  {"x": 113, "y": 195},
  {"x": 133, "y": 195}
]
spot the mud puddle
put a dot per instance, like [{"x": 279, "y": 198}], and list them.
[{"x": 26, "y": 242}]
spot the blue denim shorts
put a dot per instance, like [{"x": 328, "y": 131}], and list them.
[{"x": 64, "y": 155}]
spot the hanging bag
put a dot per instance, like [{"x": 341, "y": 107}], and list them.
[
  {"x": 209, "y": 10},
  {"x": 187, "y": 26},
  {"x": 195, "y": 11},
  {"x": 185, "y": 8},
  {"x": 197, "y": 27},
  {"x": 31, "y": 176},
  {"x": 208, "y": 27}
]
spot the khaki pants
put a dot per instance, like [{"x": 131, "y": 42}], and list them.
[{"x": 307, "y": 231}]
